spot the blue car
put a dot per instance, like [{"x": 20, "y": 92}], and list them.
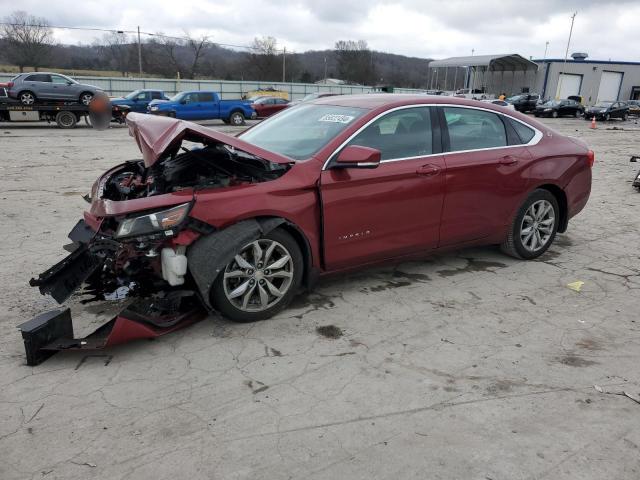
[
  {"x": 203, "y": 105},
  {"x": 138, "y": 100}
]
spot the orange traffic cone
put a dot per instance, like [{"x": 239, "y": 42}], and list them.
[{"x": 593, "y": 123}]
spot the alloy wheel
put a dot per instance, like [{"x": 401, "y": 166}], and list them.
[
  {"x": 86, "y": 99},
  {"x": 537, "y": 225},
  {"x": 237, "y": 119},
  {"x": 27, "y": 98},
  {"x": 259, "y": 276}
]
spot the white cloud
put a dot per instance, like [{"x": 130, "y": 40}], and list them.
[{"x": 423, "y": 28}]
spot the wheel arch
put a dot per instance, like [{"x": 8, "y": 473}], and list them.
[
  {"x": 208, "y": 255},
  {"x": 561, "y": 198}
]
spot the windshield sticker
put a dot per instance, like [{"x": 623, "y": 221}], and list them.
[{"x": 335, "y": 118}]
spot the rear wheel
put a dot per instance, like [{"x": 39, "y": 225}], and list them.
[
  {"x": 237, "y": 119},
  {"x": 27, "y": 98},
  {"x": 260, "y": 280},
  {"x": 578, "y": 114},
  {"x": 66, "y": 119},
  {"x": 534, "y": 226}
]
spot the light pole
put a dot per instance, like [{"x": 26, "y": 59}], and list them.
[
  {"x": 566, "y": 54},
  {"x": 284, "y": 55}
]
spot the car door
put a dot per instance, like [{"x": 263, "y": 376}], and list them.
[
  {"x": 60, "y": 88},
  {"x": 485, "y": 175},
  {"x": 206, "y": 107},
  {"x": 394, "y": 209},
  {"x": 141, "y": 101},
  {"x": 189, "y": 109},
  {"x": 40, "y": 85}
]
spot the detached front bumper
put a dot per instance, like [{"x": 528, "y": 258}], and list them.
[{"x": 96, "y": 263}]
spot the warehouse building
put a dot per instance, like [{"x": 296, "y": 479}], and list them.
[{"x": 593, "y": 80}]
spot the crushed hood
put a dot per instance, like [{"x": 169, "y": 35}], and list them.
[{"x": 155, "y": 135}]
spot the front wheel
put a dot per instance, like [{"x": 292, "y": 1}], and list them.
[
  {"x": 237, "y": 119},
  {"x": 260, "y": 280},
  {"x": 534, "y": 226},
  {"x": 579, "y": 114},
  {"x": 554, "y": 114},
  {"x": 607, "y": 117},
  {"x": 625, "y": 117},
  {"x": 86, "y": 98}
]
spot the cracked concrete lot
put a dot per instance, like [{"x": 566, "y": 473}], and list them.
[{"x": 469, "y": 365}]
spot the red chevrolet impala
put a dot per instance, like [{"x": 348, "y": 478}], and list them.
[{"x": 240, "y": 225}]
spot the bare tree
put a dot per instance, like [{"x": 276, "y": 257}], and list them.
[
  {"x": 263, "y": 59},
  {"x": 355, "y": 61},
  {"x": 118, "y": 48},
  {"x": 197, "y": 47},
  {"x": 28, "y": 39}
]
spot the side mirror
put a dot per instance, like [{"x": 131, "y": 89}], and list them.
[
  {"x": 69, "y": 83},
  {"x": 355, "y": 156},
  {"x": 183, "y": 101}
]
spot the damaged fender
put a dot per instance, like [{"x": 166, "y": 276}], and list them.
[{"x": 209, "y": 255}]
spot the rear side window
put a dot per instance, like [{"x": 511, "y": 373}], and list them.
[
  {"x": 38, "y": 77},
  {"x": 471, "y": 129},
  {"x": 400, "y": 134},
  {"x": 524, "y": 133},
  {"x": 156, "y": 96},
  {"x": 205, "y": 97}
]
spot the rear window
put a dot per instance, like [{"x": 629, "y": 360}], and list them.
[{"x": 205, "y": 97}]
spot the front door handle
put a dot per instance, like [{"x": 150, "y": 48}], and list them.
[
  {"x": 428, "y": 170},
  {"x": 508, "y": 160}
]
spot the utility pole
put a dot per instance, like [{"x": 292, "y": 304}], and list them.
[
  {"x": 284, "y": 55},
  {"x": 139, "y": 53},
  {"x": 566, "y": 54},
  {"x": 325, "y": 69},
  {"x": 546, "y": 48}
]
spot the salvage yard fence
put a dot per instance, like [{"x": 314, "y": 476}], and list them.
[{"x": 119, "y": 86}]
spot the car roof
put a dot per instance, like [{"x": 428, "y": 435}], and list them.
[{"x": 386, "y": 101}]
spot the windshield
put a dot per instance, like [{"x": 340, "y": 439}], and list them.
[
  {"x": 133, "y": 94},
  {"x": 514, "y": 98},
  {"x": 603, "y": 104},
  {"x": 551, "y": 103},
  {"x": 177, "y": 97},
  {"x": 301, "y": 131}
]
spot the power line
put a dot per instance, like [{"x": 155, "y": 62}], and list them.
[{"x": 133, "y": 32}]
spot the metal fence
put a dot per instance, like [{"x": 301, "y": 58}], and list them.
[{"x": 118, "y": 86}]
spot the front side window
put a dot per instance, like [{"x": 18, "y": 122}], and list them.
[
  {"x": 471, "y": 129},
  {"x": 59, "y": 80},
  {"x": 156, "y": 96},
  {"x": 143, "y": 96},
  {"x": 400, "y": 134}
]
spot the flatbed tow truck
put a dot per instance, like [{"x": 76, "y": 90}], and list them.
[{"x": 64, "y": 114}]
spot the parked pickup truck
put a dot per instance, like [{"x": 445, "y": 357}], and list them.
[
  {"x": 202, "y": 105},
  {"x": 139, "y": 100}
]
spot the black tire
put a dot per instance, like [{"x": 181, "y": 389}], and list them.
[
  {"x": 27, "y": 97},
  {"x": 228, "y": 309},
  {"x": 607, "y": 117},
  {"x": 85, "y": 98},
  {"x": 513, "y": 244},
  {"x": 578, "y": 114},
  {"x": 625, "y": 117},
  {"x": 171, "y": 114},
  {"x": 226, "y": 120},
  {"x": 555, "y": 114},
  {"x": 236, "y": 119},
  {"x": 66, "y": 119}
]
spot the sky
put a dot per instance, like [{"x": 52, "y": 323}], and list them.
[{"x": 421, "y": 28}]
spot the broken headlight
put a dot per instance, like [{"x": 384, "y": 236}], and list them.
[{"x": 163, "y": 221}]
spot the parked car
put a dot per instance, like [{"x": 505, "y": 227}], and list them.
[
  {"x": 607, "y": 111},
  {"x": 139, "y": 100},
  {"x": 501, "y": 103},
  {"x": 201, "y": 105},
  {"x": 634, "y": 107},
  {"x": 29, "y": 88},
  {"x": 559, "y": 108},
  {"x": 524, "y": 102},
  {"x": 243, "y": 223},
  {"x": 267, "y": 106}
]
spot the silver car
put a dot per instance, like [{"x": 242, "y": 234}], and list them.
[{"x": 29, "y": 88}]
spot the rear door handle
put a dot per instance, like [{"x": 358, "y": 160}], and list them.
[
  {"x": 428, "y": 170},
  {"x": 508, "y": 160}
]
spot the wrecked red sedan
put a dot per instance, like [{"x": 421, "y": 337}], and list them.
[{"x": 240, "y": 225}]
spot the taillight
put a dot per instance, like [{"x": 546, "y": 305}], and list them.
[
  {"x": 591, "y": 157},
  {"x": 10, "y": 84}
]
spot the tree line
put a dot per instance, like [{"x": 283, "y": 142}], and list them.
[{"x": 27, "y": 41}]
